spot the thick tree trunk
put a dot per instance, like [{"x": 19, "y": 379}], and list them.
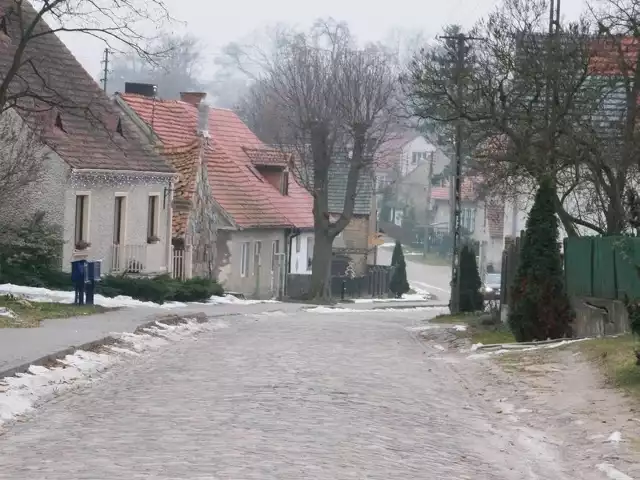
[{"x": 321, "y": 267}]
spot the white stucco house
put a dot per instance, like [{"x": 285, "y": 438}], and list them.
[
  {"x": 235, "y": 196},
  {"x": 111, "y": 196}
]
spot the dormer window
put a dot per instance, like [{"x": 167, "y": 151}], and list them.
[
  {"x": 119, "y": 128},
  {"x": 58, "y": 122},
  {"x": 284, "y": 187},
  {"x": 3, "y": 26}
]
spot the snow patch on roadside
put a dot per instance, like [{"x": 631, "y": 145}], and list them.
[
  {"x": 5, "y": 312},
  {"x": 611, "y": 472},
  {"x": 36, "y": 294},
  {"x": 515, "y": 348},
  {"x": 23, "y": 392},
  {"x": 369, "y": 310}
]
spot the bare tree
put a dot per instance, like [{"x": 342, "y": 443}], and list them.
[
  {"x": 531, "y": 100},
  {"x": 35, "y": 88},
  {"x": 175, "y": 67},
  {"x": 332, "y": 102},
  {"x": 20, "y": 161}
]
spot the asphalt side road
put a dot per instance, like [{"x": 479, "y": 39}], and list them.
[{"x": 278, "y": 395}]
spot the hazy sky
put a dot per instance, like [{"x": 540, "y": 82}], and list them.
[{"x": 218, "y": 23}]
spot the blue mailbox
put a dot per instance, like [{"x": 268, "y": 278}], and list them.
[
  {"x": 79, "y": 277},
  {"x": 93, "y": 275}
]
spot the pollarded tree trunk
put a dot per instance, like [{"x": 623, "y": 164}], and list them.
[{"x": 321, "y": 266}]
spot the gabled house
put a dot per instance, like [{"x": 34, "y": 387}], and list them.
[
  {"x": 110, "y": 196},
  {"x": 244, "y": 217},
  {"x": 354, "y": 244}
]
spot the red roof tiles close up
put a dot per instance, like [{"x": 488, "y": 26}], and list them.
[{"x": 230, "y": 155}]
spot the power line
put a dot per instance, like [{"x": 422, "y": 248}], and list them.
[{"x": 461, "y": 40}]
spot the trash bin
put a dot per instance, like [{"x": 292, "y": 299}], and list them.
[
  {"x": 93, "y": 276},
  {"x": 79, "y": 277}
]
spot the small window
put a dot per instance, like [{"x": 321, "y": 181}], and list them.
[
  {"x": 119, "y": 128},
  {"x": 298, "y": 242},
  {"x": 59, "y": 123},
  {"x": 118, "y": 220},
  {"x": 81, "y": 220},
  {"x": 152, "y": 221},
  {"x": 244, "y": 259},
  {"x": 284, "y": 190}
]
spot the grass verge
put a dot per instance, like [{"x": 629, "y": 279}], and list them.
[
  {"x": 481, "y": 328},
  {"x": 29, "y": 314},
  {"x": 615, "y": 356}
]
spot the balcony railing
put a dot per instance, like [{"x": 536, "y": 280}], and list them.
[{"x": 129, "y": 258}]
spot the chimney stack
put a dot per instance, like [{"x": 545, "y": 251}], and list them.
[
  {"x": 194, "y": 98},
  {"x": 203, "y": 120}
]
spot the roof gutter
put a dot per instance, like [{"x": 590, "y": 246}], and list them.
[{"x": 113, "y": 171}]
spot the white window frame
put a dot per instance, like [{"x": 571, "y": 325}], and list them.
[
  {"x": 123, "y": 217},
  {"x": 245, "y": 256},
  {"x": 86, "y": 220}
]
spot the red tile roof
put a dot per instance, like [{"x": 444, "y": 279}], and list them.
[
  {"x": 606, "y": 56},
  {"x": 494, "y": 210},
  {"x": 467, "y": 189},
  {"x": 53, "y": 82},
  {"x": 267, "y": 157},
  {"x": 237, "y": 186}
]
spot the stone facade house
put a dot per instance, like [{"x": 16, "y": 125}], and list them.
[
  {"x": 242, "y": 217},
  {"x": 353, "y": 245},
  {"x": 110, "y": 196}
]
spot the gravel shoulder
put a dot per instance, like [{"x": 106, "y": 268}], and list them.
[{"x": 560, "y": 394}]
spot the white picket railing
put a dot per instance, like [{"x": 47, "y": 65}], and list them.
[
  {"x": 129, "y": 258},
  {"x": 182, "y": 262}
]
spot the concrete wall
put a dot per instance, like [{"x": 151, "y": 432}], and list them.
[
  {"x": 102, "y": 191},
  {"x": 259, "y": 281},
  {"x": 596, "y": 317}
]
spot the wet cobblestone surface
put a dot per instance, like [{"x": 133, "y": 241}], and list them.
[{"x": 285, "y": 396}]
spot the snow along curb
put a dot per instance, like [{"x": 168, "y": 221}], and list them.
[
  {"x": 52, "y": 358},
  {"x": 24, "y": 392}
]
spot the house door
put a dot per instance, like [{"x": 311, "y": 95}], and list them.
[{"x": 257, "y": 262}]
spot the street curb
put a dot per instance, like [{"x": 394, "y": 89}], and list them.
[{"x": 52, "y": 358}]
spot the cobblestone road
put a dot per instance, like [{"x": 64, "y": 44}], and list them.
[{"x": 311, "y": 396}]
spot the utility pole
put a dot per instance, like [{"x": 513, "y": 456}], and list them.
[
  {"x": 454, "y": 305},
  {"x": 428, "y": 210},
  {"x": 105, "y": 71}
]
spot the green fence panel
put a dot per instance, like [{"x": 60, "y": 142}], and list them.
[
  {"x": 627, "y": 262},
  {"x": 604, "y": 270},
  {"x": 578, "y": 266}
]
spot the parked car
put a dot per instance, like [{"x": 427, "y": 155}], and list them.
[{"x": 491, "y": 286}]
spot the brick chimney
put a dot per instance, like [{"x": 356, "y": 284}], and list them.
[{"x": 194, "y": 98}]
